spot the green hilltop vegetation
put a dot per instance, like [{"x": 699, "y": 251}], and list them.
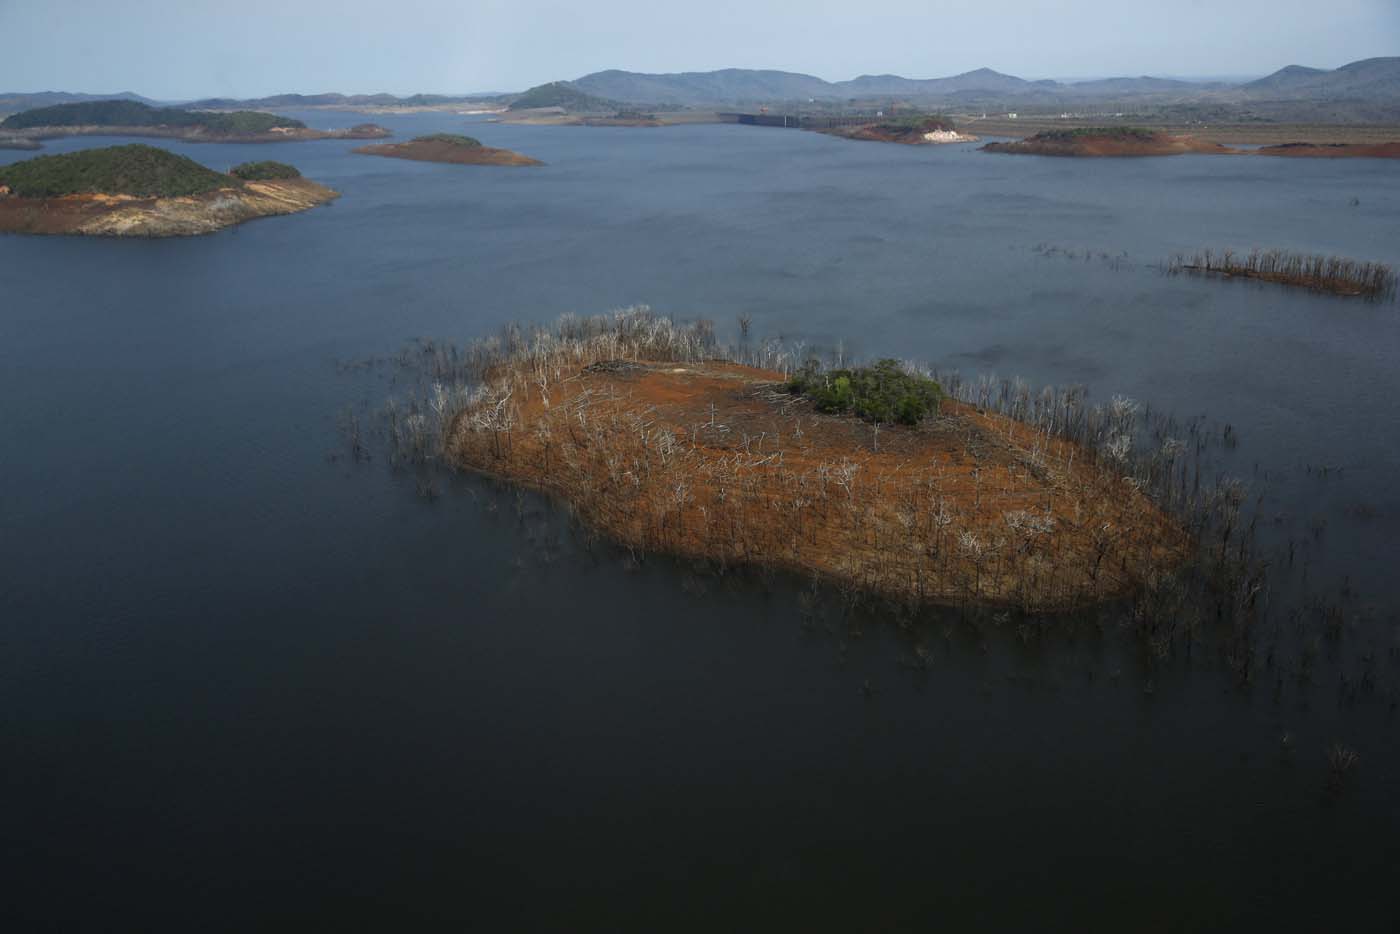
[
  {"x": 264, "y": 171},
  {"x": 1124, "y": 133},
  {"x": 134, "y": 113},
  {"x": 925, "y": 123},
  {"x": 454, "y": 139},
  {"x": 562, "y": 94},
  {"x": 137, "y": 170},
  {"x": 881, "y": 392}
]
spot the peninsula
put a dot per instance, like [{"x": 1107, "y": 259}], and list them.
[
  {"x": 1389, "y": 150},
  {"x": 918, "y": 130},
  {"x": 868, "y": 476},
  {"x": 448, "y": 147},
  {"x": 1107, "y": 142},
  {"x": 132, "y": 118},
  {"x": 1137, "y": 141},
  {"x": 142, "y": 191}
]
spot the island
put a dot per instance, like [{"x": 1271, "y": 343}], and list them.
[
  {"x": 11, "y": 142},
  {"x": 1107, "y": 142},
  {"x": 921, "y": 130},
  {"x": 143, "y": 191},
  {"x": 869, "y": 477},
  {"x": 132, "y": 118},
  {"x": 448, "y": 147}
]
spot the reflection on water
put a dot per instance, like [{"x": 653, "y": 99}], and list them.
[{"x": 238, "y": 660}]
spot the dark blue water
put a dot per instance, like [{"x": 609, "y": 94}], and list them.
[{"x": 246, "y": 682}]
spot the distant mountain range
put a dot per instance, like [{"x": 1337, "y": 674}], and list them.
[
  {"x": 740, "y": 84},
  {"x": 1363, "y": 91},
  {"x": 1372, "y": 80},
  {"x": 285, "y": 101},
  {"x": 16, "y": 102}
]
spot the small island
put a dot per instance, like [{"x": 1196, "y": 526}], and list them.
[
  {"x": 131, "y": 118},
  {"x": 1107, "y": 142},
  {"x": 868, "y": 476},
  {"x": 143, "y": 191},
  {"x": 448, "y": 147},
  {"x": 921, "y": 130}
]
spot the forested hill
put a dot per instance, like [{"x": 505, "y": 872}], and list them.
[
  {"x": 137, "y": 170},
  {"x": 134, "y": 113}
]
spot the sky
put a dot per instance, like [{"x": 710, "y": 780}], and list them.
[{"x": 185, "y": 49}]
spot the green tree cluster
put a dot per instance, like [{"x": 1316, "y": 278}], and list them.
[
  {"x": 882, "y": 392},
  {"x": 455, "y": 139},
  {"x": 134, "y": 113},
  {"x": 137, "y": 170},
  {"x": 562, "y": 94},
  {"x": 264, "y": 171},
  {"x": 1126, "y": 133}
]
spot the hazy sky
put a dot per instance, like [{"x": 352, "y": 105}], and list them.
[{"x": 195, "y": 48}]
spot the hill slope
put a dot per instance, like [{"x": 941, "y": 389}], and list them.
[
  {"x": 136, "y": 170},
  {"x": 142, "y": 191},
  {"x": 284, "y": 101},
  {"x": 695, "y": 87},
  {"x": 1373, "y": 82},
  {"x": 1368, "y": 79},
  {"x": 135, "y": 113},
  {"x": 16, "y": 101},
  {"x": 562, "y": 94}
]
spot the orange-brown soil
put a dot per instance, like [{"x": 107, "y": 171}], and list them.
[
  {"x": 716, "y": 461},
  {"x": 439, "y": 151},
  {"x": 1333, "y": 150},
  {"x": 1160, "y": 144}
]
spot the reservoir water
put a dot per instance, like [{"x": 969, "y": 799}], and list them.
[{"x": 249, "y": 682}]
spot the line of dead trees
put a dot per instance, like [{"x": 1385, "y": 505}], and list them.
[{"x": 1333, "y": 274}]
